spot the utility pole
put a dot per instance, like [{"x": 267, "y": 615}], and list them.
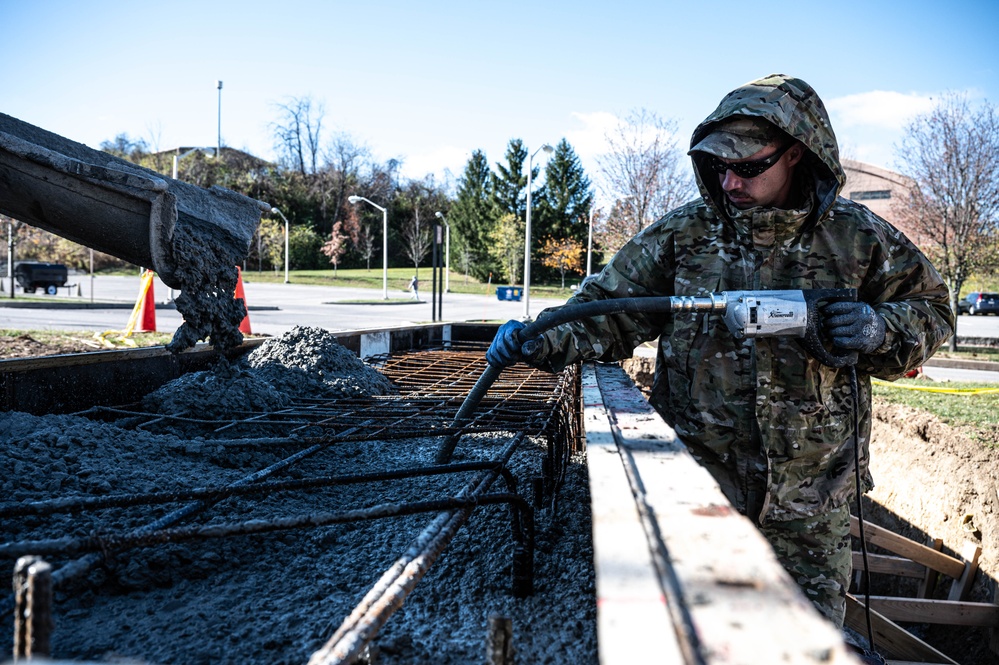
[{"x": 218, "y": 146}]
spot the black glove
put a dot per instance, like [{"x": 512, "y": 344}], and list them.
[
  {"x": 507, "y": 348},
  {"x": 854, "y": 326}
]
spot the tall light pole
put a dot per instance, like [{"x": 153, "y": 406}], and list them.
[
  {"x": 589, "y": 243},
  {"x": 527, "y": 232},
  {"x": 353, "y": 200},
  {"x": 447, "y": 252},
  {"x": 278, "y": 212},
  {"x": 218, "y": 148}
]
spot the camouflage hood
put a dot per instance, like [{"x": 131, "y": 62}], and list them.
[{"x": 791, "y": 105}]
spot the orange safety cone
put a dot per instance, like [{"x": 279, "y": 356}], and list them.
[
  {"x": 147, "y": 317},
  {"x": 244, "y": 325}
]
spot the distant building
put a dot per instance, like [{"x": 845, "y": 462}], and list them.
[{"x": 878, "y": 189}]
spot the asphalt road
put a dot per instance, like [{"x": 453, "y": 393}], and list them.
[{"x": 274, "y": 308}]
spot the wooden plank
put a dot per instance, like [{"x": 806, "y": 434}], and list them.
[
  {"x": 632, "y": 616},
  {"x": 889, "y": 540},
  {"x": 950, "y": 612},
  {"x": 929, "y": 583},
  {"x": 891, "y": 639},
  {"x": 970, "y": 553},
  {"x": 889, "y": 565},
  {"x": 720, "y": 576}
]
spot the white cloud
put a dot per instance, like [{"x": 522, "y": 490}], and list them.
[
  {"x": 437, "y": 161},
  {"x": 883, "y": 109},
  {"x": 588, "y": 137}
]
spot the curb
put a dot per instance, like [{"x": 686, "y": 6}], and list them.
[
  {"x": 377, "y": 302},
  {"x": 33, "y": 304}
]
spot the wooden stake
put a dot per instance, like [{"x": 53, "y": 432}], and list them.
[
  {"x": 499, "y": 642},
  {"x": 40, "y": 610},
  {"x": 929, "y": 583},
  {"x": 33, "y": 608}
]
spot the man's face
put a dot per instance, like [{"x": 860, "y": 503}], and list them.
[{"x": 770, "y": 189}]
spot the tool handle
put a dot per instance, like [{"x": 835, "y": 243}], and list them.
[{"x": 813, "y": 339}]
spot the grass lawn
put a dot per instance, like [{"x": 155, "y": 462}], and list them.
[{"x": 961, "y": 407}]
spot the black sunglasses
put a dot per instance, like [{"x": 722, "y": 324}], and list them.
[{"x": 746, "y": 169}]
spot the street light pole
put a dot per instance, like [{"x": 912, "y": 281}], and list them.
[
  {"x": 278, "y": 212},
  {"x": 527, "y": 233},
  {"x": 589, "y": 243},
  {"x": 218, "y": 149},
  {"x": 353, "y": 200},
  {"x": 447, "y": 252}
]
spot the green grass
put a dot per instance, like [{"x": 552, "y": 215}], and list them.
[{"x": 960, "y": 409}]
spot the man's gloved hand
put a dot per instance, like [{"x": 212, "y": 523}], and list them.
[
  {"x": 854, "y": 326},
  {"x": 507, "y": 348}
]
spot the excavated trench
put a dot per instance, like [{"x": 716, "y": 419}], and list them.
[{"x": 242, "y": 514}]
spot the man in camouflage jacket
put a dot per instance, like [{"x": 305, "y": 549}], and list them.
[{"x": 772, "y": 424}]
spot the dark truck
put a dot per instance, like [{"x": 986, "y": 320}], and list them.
[{"x": 46, "y": 276}]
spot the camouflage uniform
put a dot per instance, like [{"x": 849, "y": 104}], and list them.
[{"x": 772, "y": 425}]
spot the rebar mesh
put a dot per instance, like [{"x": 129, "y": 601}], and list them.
[{"x": 431, "y": 387}]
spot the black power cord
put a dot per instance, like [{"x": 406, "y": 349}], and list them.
[{"x": 870, "y": 655}]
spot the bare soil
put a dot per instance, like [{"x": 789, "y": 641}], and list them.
[
  {"x": 31, "y": 344},
  {"x": 27, "y": 346},
  {"x": 937, "y": 481}
]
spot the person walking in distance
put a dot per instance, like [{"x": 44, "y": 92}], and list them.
[{"x": 414, "y": 286}]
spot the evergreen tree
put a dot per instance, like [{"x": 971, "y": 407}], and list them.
[
  {"x": 563, "y": 203},
  {"x": 473, "y": 216},
  {"x": 509, "y": 183}
]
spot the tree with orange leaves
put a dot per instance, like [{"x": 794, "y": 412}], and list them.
[{"x": 562, "y": 254}]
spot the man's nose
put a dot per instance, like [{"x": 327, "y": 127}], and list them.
[{"x": 730, "y": 181}]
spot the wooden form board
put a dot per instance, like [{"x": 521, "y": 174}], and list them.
[
  {"x": 681, "y": 576},
  {"x": 890, "y": 638}
]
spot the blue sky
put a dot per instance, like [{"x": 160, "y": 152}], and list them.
[{"x": 429, "y": 82}]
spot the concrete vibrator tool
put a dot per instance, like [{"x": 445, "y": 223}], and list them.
[{"x": 788, "y": 313}]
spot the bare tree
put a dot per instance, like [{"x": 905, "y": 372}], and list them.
[
  {"x": 298, "y": 133},
  {"x": 366, "y": 240},
  {"x": 646, "y": 167},
  {"x": 951, "y": 154},
  {"x": 612, "y": 229},
  {"x": 416, "y": 237}
]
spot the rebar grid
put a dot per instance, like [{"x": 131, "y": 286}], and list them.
[{"x": 431, "y": 387}]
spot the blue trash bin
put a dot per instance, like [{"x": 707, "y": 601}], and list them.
[{"x": 508, "y": 293}]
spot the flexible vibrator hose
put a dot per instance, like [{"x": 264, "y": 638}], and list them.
[{"x": 552, "y": 319}]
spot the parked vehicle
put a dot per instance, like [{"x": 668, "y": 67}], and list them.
[
  {"x": 982, "y": 303},
  {"x": 46, "y": 276},
  {"x": 964, "y": 304}
]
